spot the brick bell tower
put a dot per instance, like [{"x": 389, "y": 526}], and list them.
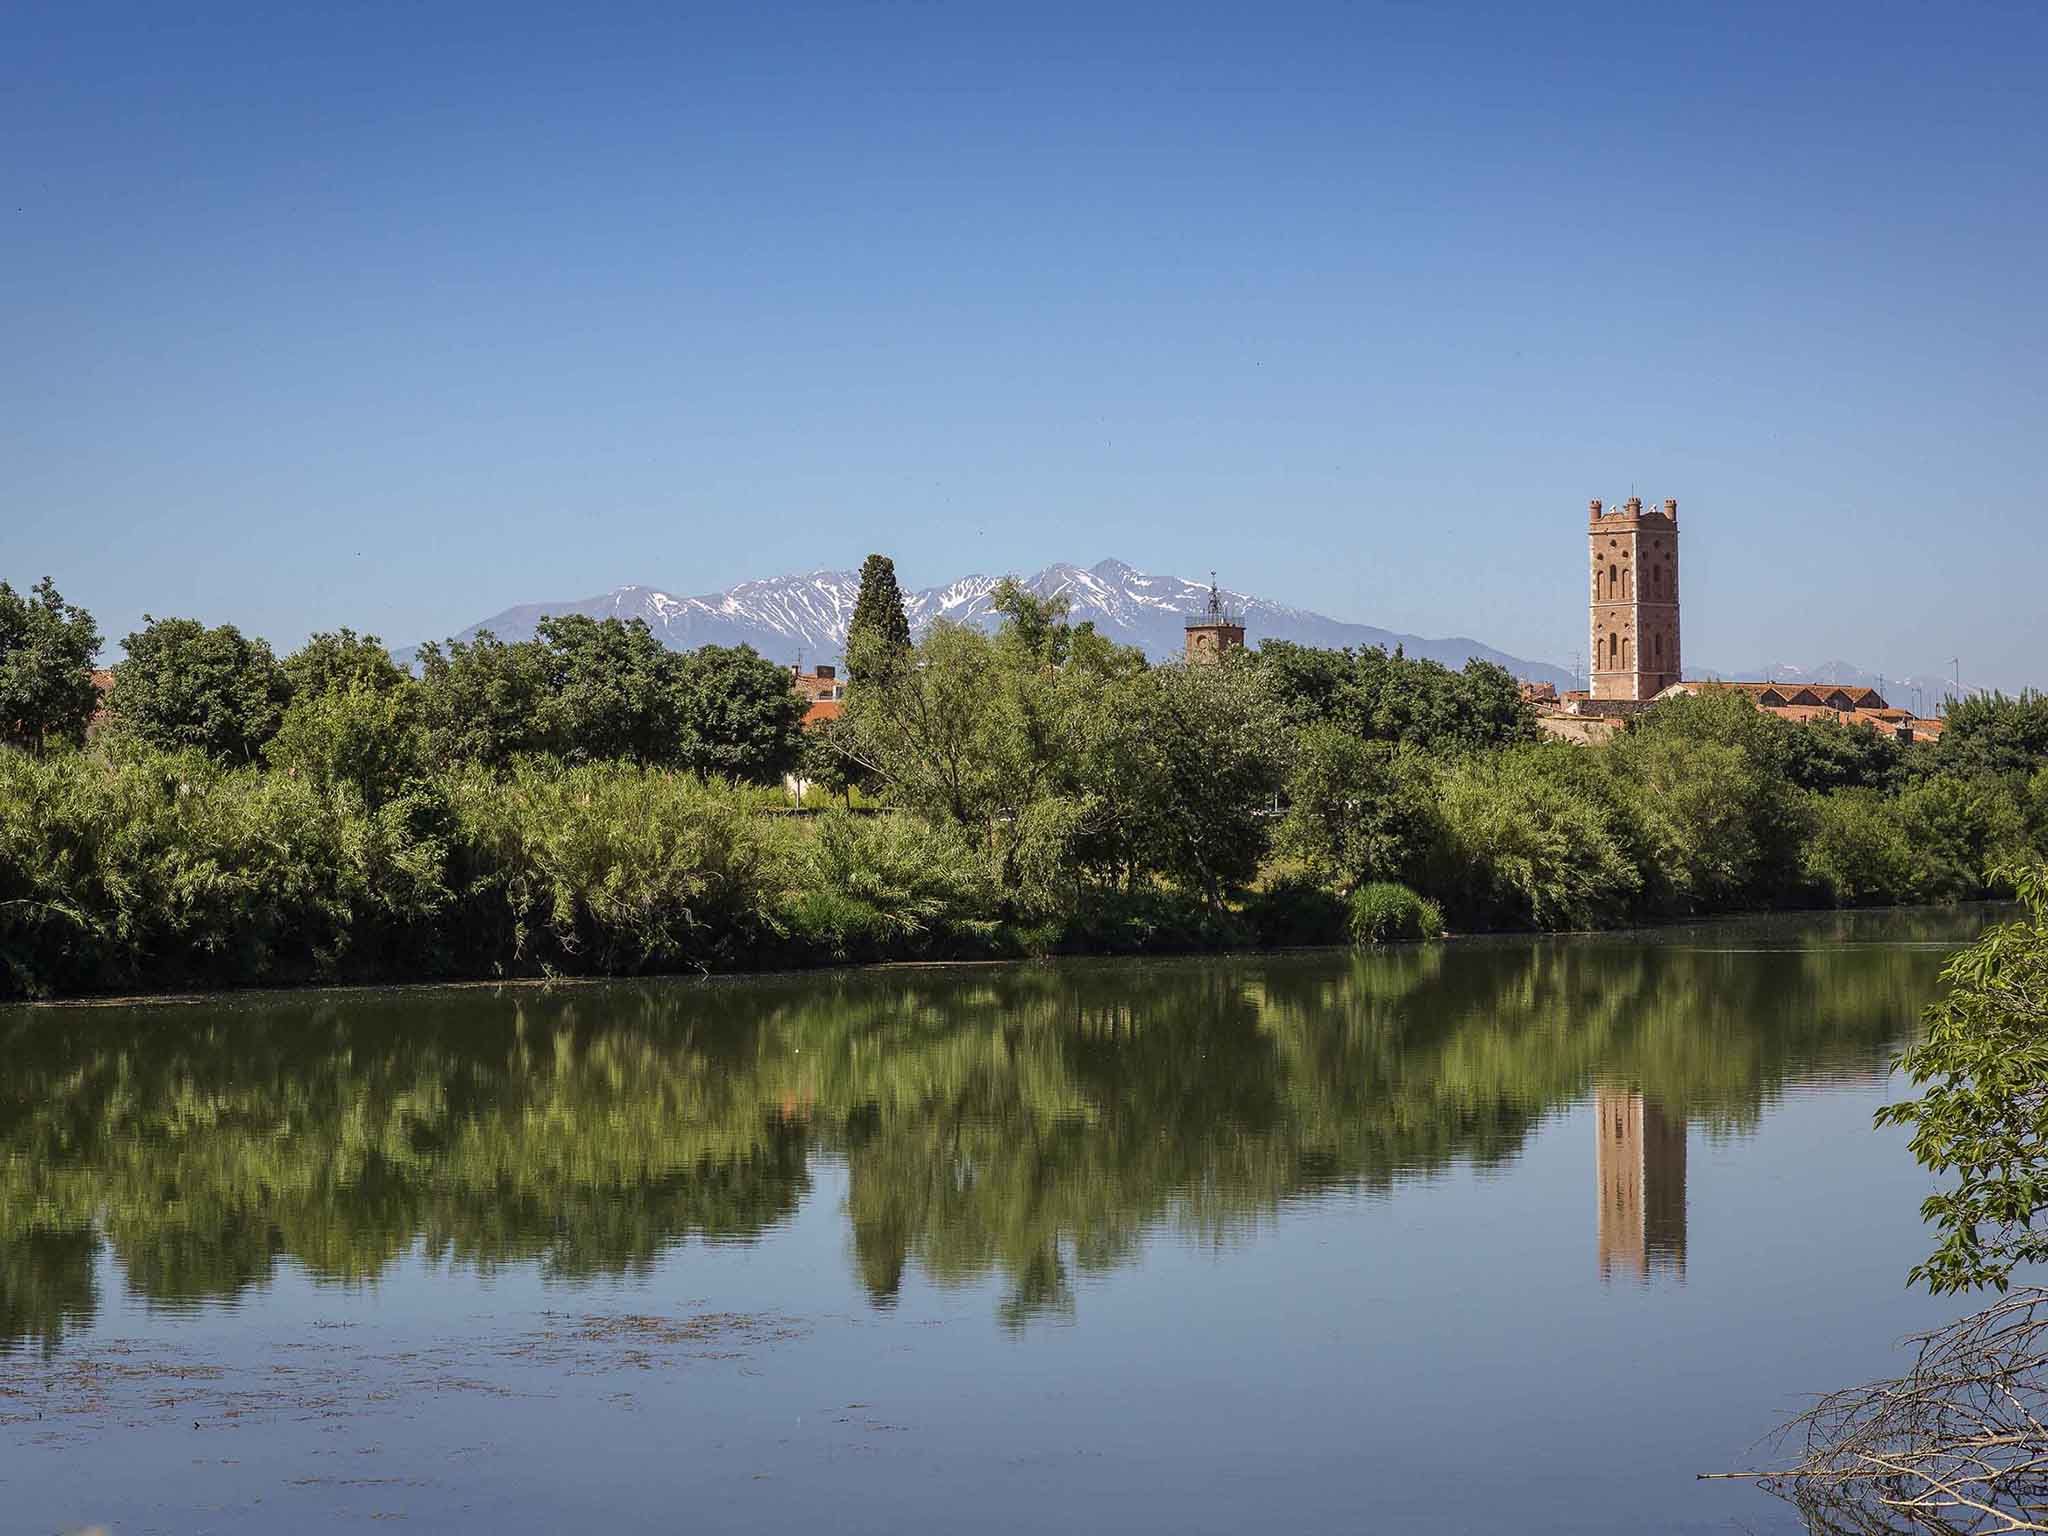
[
  {"x": 1216, "y": 632},
  {"x": 1635, "y": 599}
]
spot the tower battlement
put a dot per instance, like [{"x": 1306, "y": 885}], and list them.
[{"x": 1623, "y": 513}]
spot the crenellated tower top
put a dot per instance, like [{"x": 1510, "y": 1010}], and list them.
[{"x": 1628, "y": 513}]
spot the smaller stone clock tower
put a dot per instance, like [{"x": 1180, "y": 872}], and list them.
[{"x": 1215, "y": 630}]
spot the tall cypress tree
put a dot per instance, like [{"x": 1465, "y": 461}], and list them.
[{"x": 880, "y": 633}]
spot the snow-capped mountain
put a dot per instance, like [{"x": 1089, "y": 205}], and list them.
[{"x": 807, "y": 615}]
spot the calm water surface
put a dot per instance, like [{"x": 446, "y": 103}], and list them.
[{"x": 1487, "y": 1237}]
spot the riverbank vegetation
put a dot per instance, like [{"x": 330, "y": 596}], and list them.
[
  {"x": 1960, "y": 1442},
  {"x": 588, "y": 802}
]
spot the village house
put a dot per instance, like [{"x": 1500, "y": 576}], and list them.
[
  {"x": 823, "y": 692},
  {"x": 824, "y": 696}
]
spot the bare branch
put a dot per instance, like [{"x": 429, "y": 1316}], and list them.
[{"x": 1955, "y": 1447}]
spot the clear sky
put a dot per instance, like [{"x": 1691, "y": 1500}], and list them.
[{"x": 394, "y": 315}]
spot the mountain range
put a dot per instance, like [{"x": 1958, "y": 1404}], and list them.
[{"x": 804, "y": 617}]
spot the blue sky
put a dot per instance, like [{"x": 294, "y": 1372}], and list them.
[{"x": 394, "y": 315}]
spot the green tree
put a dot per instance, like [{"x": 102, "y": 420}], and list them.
[
  {"x": 184, "y": 685},
  {"x": 878, "y": 637},
  {"x": 333, "y": 661},
  {"x": 1709, "y": 810},
  {"x": 2034, "y": 812},
  {"x": 1527, "y": 843},
  {"x": 1992, "y": 733},
  {"x": 1982, "y": 1113},
  {"x": 1960, "y": 830},
  {"x": 989, "y": 734},
  {"x": 368, "y": 738},
  {"x": 616, "y": 867},
  {"x": 919, "y": 728},
  {"x": 1859, "y": 853},
  {"x": 1387, "y": 696},
  {"x": 1826, "y": 755},
  {"x": 612, "y": 691},
  {"x": 46, "y": 651},
  {"x": 737, "y": 715},
  {"x": 1309, "y": 685},
  {"x": 1357, "y": 810},
  {"x": 827, "y": 757},
  {"x": 483, "y": 701},
  {"x": 1035, "y": 625},
  {"x": 1709, "y": 775},
  {"x": 1205, "y": 760}
]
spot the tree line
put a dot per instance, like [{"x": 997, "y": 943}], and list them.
[{"x": 589, "y": 801}]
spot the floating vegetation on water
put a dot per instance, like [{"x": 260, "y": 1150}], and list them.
[{"x": 129, "y": 1385}]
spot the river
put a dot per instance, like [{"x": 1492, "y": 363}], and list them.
[{"x": 1509, "y": 1235}]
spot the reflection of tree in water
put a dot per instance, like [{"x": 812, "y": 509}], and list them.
[
  {"x": 46, "y": 1285},
  {"x": 1032, "y": 1122}
]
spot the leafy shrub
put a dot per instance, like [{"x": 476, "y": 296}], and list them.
[
  {"x": 334, "y": 661},
  {"x": 1991, "y": 733},
  {"x": 1960, "y": 829},
  {"x": 1826, "y": 755},
  {"x": 1859, "y": 854},
  {"x": 1296, "y": 910},
  {"x": 368, "y": 738},
  {"x": 1358, "y": 810},
  {"x": 613, "y": 868},
  {"x": 864, "y": 886},
  {"x": 2034, "y": 813},
  {"x": 1386, "y": 913},
  {"x": 134, "y": 867},
  {"x": 1710, "y": 780},
  {"x": 1148, "y": 920},
  {"x": 1525, "y": 846}
]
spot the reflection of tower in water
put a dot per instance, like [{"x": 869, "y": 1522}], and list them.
[{"x": 1639, "y": 1162}]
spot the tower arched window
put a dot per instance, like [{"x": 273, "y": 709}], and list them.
[
  {"x": 1627, "y": 654},
  {"x": 1628, "y": 583},
  {"x": 1658, "y": 642},
  {"x": 1613, "y": 580},
  {"x": 1613, "y": 649}
]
